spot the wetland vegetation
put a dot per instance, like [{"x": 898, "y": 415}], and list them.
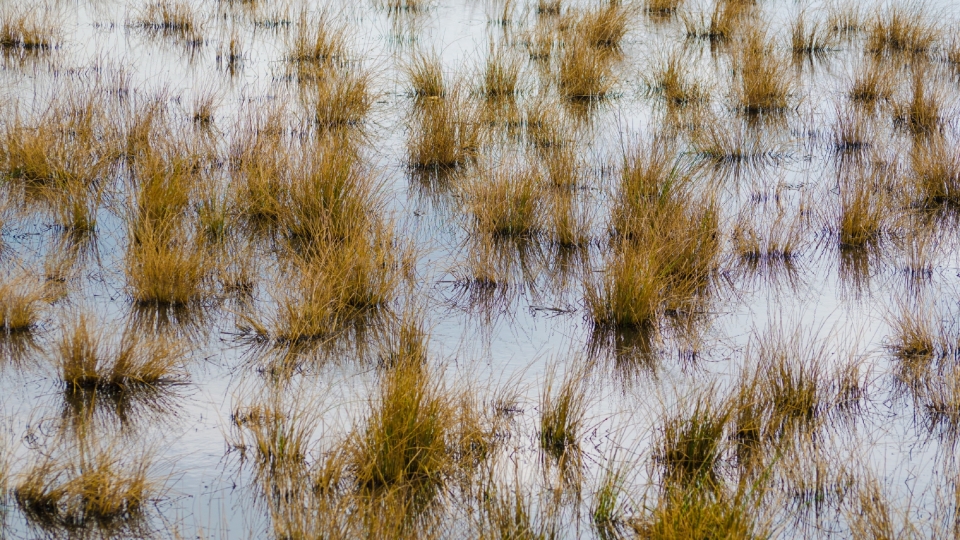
[{"x": 516, "y": 269}]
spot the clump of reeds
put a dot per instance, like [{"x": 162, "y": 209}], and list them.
[
  {"x": 923, "y": 114},
  {"x": 690, "y": 444},
  {"x": 721, "y": 24},
  {"x": 765, "y": 83},
  {"x": 562, "y": 414},
  {"x": 873, "y": 83},
  {"x": 278, "y": 435},
  {"x": 604, "y": 27},
  {"x": 171, "y": 17},
  {"x": 501, "y": 76},
  {"x": 545, "y": 127},
  {"x": 85, "y": 363},
  {"x": 317, "y": 43},
  {"x": 672, "y": 80},
  {"x": 851, "y": 133},
  {"x": 549, "y": 7},
  {"x": 901, "y": 30},
  {"x": 779, "y": 246},
  {"x": 935, "y": 170},
  {"x": 508, "y": 202},
  {"x": 583, "y": 74},
  {"x": 722, "y": 145},
  {"x": 446, "y": 134},
  {"x": 405, "y": 439},
  {"x": 662, "y": 8},
  {"x": 26, "y": 30},
  {"x": 425, "y": 73},
  {"x": 163, "y": 271},
  {"x": 862, "y": 215},
  {"x": 19, "y": 307},
  {"x": 569, "y": 220},
  {"x": 845, "y": 19},
  {"x": 701, "y": 513},
  {"x": 808, "y": 40},
  {"x": 95, "y": 487},
  {"x": 342, "y": 98}
]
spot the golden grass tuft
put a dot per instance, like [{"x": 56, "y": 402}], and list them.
[
  {"x": 935, "y": 168},
  {"x": 26, "y": 30},
  {"x": 507, "y": 202},
  {"x": 862, "y": 215},
  {"x": 341, "y": 98},
  {"x": 765, "y": 83},
  {"x": 405, "y": 439},
  {"x": 690, "y": 445},
  {"x": 317, "y": 44},
  {"x": 602, "y": 28},
  {"x": 808, "y": 40},
  {"x": 901, "y": 30},
  {"x": 662, "y": 8},
  {"x": 501, "y": 75},
  {"x": 165, "y": 272},
  {"x": 138, "y": 363},
  {"x": 583, "y": 74},
  {"x": 446, "y": 134},
  {"x": 562, "y": 414},
  {"x": 425, "y": 73},
  {"x": 170, "y": 17},
  {"x": 872, "y": 83},
  {"x": 923, "y": 113},
  {"x": 699, "y": 513},
  {"x": 97, "y": 486},
  {"x": 673, "y": 81},
  {"x": 19, "y": 307}
]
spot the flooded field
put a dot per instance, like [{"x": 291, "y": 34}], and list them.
[{"x": 479, "y": 269}]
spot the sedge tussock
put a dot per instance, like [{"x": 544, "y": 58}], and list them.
[
  {"x": 808, "y": 40},
  {"x": 602, "y": 28},
  {"x": 699, "y": 513},
  {"x": 563, "y": 413},
  {"x": 923, "y": 113},
  {"x": 901, "y": 30},
  {"x": 165, "y": 272},
  {"x": 85, "y": 363},
  {"x": 689, "y": 445},
  {"x": 779, "y": 246},
  {"x": 862, "y": 215},
  {"x": 501, "y": 76},
  {"x": 583, "y": 74},
  {"x": 341, "y": 98},
  {"x": 259, "y": 189},
  {"x": 96, "y": 487},
  {"x": 425, "y": 74},
  {"x": 719, "y": 26},
  {"x": 720, "y": 145},
  {"x": 317, "y": 44},
  {"x": 549, "y": 7},
  {"x": 405, "y": 439},
  {"x": 610, "y": 500},
  {"x": 171, "y": 18},
  {"x": 935, "y": 170},
  {"x": 545, "y": 126},
  {"x": 277, "y": 434},
  {"x": 672, "y": 80},
  {"x": 29, "y": 31},
  {"x": 507, "y": 202},
  {"x": 765, "y": 83},
  {"x": 662, "y": 8},
  {"x": 851, "y": 132},
  {"x": 845, "y": 19},
  {"x": 446, "y": 134},
  {"x": 873, "y": 83},
  {"x": 19, "y": 307},
  {"x": 570, "y": 222}
]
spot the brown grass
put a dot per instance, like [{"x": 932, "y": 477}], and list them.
[
  {"x": 765, "y": 83},
  {"x": 27, "y": 30},
  {"x": 673, "y": 81},
  {"x": 341, "y": 98},
  {"x": 163, "y": 272},
  {"x": 447, "y": 134},
  {"x": 808, "y": 40},
  {"x": 901, "y": 30},
  {"x": 318, "y": 43},
  {"x": 501, "y": 75},
  {"x": 602, "y": 28},
  {"x": 862, "y": 216},
  {"x": 923, "y": 113},
  {"x": 137, "y": 363},
  {"x": 935, "y": 170},
  {"x": 583, "y": 74},
  {"x": 872, "y": 83},
  {"x": 19, "y": 307},
  {"x": 170, "y": 17},
  {"x": 425, "y": 73},
  {"x": 508, "y": 202},
  {"x": 563, "y": 414},
  {"x": 852, "y": 132}
]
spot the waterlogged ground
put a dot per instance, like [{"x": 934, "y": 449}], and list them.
[{"x": 509, "y": 338}]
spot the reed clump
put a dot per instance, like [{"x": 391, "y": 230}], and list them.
[
  {"x": 923, "y": 113},
  {"x": 901, "y": 30},
  {"x": 501, "y": 76},
  {"x": 673, "y": 81},
  {"x": 136, "y": 363},
  {"x": 405, "y": 439},
  {"x": 765, "y": 83},
  {"x": 446, "y": 134},
  {"x": 583, "y": 75},
  {"x": 873, "y": 83},
  {"x": 562, "y": 414},
  {"x": 425, "y": 73},
  {"x": 165, "y": 272},
  {"x": 341, "y": 98},
  {"x": 808, "y": 40},
  {"x": 699, "y": 513},
  {"x": 508, "y": 202},
  {"x": 97, "y": 487},
  {"x": 26, "y": 30},
  {"x": 19, "y": 307},
  {"x": 690, "y": 445},
  {"x": 317, "y": 44},
  {"x": 862, "y": 215},
  {"x": 602, "y": 28},
  {"x": 935, "y": 170},
  {"x": 170, "y": 17}
]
